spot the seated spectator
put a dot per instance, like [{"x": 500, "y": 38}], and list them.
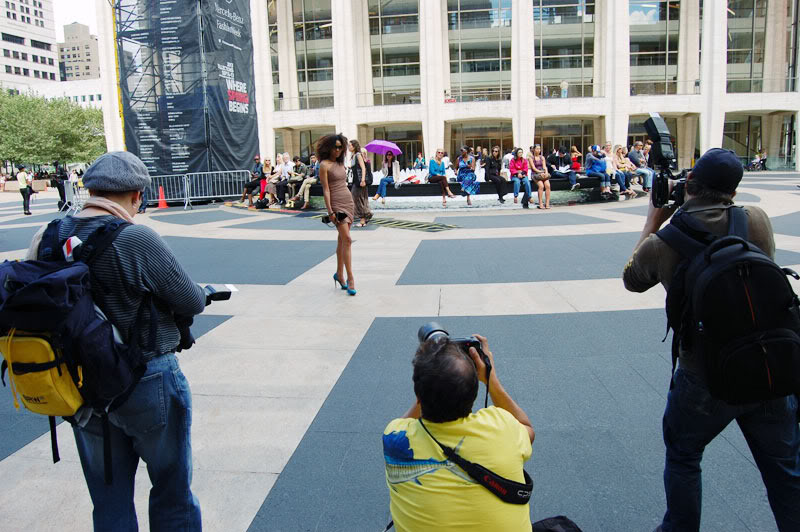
[
  {"x": 493, "y": 167},
  {"x": 575, "y": 156},
  {"x": 559, "y": 166},
  {"x": 427, "y": 491},
  {"x": 298, "y": 173},
  {"x": 419, "y": 163},
  {"x": 256, "y": 175},
  {"x": 285, "y": 170},
  {"x": 540, "y": 175},
  {"x": 391, "y": 168},
  {"x": 437, "y": 173},
  {"x": 312, "y": 178},
  {"x": 519, "y": 175},
  {"x": 636, "y": 156},
  {"x": 619, "y": 163},
  {"x": 596, "y": 167}
]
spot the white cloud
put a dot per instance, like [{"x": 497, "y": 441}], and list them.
[{"x": 640, "y": 15}]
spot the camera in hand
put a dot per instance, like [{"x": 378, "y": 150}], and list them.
[
  {"x": 663, "y": 156},
  {"x": 212, "y": 294},
  {"x": 339, "y": 216},
  {"x": 432, "y": 330}
]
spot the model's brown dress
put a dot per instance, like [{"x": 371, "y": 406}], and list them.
[{"x": 341, "y": 199}]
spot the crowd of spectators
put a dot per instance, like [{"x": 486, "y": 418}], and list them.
[{"x": 288, "y": 181}]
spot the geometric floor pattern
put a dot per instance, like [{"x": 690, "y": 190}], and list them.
[{"x": 293, "y": 381}]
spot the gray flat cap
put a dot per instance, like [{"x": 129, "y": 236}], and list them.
[{"x": 117, "y": 171}]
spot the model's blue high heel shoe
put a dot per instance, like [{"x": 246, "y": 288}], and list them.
[
  {"x": 338, "y": 281},
  {"x": 351, "y": 291}
]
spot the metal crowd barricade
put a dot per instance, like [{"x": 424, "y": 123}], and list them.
[
  {"x": 215, "y": 185},
  {"x": 174, "y": 189}
]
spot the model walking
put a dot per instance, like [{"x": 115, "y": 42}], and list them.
[
  {"x": 338, "y": 202},
  {"x": 358, "y": 170}
]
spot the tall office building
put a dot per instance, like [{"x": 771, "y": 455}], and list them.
[
  {"x": 28, "y": 43},
  {"x": 78, "y": 53},
  {"x": 430, "y": 74}
]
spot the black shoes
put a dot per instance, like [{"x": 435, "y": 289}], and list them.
[{"x": 28, "y": 212}]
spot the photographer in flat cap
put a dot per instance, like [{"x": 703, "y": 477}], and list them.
[
  {"x": 140, "y": 287},
  {"x": 735, "y": 321}
]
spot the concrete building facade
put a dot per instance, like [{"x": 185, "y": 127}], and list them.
[
  {"x": 85, "y": 92},
  {"x": 28, "y": 44},
  {"x": 431, "y": 74},
  {"x": 79, "y": 53}
]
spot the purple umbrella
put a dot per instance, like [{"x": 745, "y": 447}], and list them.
[{"x": 383, "y": 147}]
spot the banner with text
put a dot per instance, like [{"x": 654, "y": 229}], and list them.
[
  {"x": 230, "y": 87},
  {"x": 160, "y": 75}
]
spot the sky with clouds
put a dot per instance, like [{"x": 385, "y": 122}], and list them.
[{"x": 69, "y": 11}]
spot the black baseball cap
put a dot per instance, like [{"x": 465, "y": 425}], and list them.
[{"x": 719, "y": 169}]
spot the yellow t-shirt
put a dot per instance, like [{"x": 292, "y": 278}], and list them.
[{"x": 430, "y": 493}]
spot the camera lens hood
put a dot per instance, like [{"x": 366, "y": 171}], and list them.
[{"x": 429, "y": 329}]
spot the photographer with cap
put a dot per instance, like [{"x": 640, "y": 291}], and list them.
[
  {"x": 154, "y": 423},
  {"x": 693, "y": 417},
  {"x": 428, "y": 491}
]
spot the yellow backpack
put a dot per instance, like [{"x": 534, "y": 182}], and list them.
[{"x": 39, "y": 376}]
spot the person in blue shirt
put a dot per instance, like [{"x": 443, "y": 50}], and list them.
[{"x": 257, "y": 174}]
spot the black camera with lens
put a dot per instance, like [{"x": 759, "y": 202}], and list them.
[
  {"x": 432, "y": 330},
  {"x": 663, "y": 156}
]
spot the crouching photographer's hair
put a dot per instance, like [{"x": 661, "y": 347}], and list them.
[
  {"x": 445, "y": 380},
  {"x": 699, "y": 190}
]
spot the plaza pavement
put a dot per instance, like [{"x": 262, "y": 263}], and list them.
[{"x": 293, "y": 380}]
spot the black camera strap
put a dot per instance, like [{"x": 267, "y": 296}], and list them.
[{"x": 506, "y": 490}]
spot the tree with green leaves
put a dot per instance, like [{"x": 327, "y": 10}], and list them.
[{"x": 34, "y": 130}]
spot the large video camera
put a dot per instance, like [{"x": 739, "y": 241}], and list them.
[{"x": 663, "y": 156}]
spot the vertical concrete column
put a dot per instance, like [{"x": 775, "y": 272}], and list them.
[
  {"x": 687, "y": 139},
  {"x": 434, "y": 72},
  {"x": 688, "y": 47},
  {"x": 616, "y": 76},
  {"x": 523, "y": 83},
  {"x": 771, "y": 128},
  {"x": 797, "y": 144},
  {"x": 344, "y": 67},
  {"x": 775, "y": 41},
  {"x": 109, "y": 77},
  {"x": 262, "y": 71},
  {"x": 713, "y": 73},
  {"x": 287, "y": 57},
  {"x": 362, "y": 53}
]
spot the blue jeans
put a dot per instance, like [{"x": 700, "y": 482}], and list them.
[
  {"x": 605, "y": 179},
  {"x": 621, "y": 180},
  {"x": 693, "y": 419},
  {"x": 385, "y": 182},
  {"x": 525, "y": 181},
  {"x": 153, "y": 424},
  {"x": 571, "y": 175},
  {"x": 648, "y": 176}
]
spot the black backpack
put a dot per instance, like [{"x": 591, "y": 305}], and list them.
[{"x": 733, "y": 308}]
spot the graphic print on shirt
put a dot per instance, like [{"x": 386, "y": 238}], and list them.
[{"x": 401, "y": 466}]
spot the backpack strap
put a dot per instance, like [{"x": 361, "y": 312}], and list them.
[
  {"x": 100, "y": 239},
  {"x": 737, "y": 222},
  {"x": 678, "y": 240},
  {"x": 50, "y": 245}
]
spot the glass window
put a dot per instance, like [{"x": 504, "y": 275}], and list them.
[
  {"x": 408, "y": 138},
  {"x": 746, "y": 25},
  {"x": 552, "y": 134},
  {"x": 394, "y": 45},
  {"x": 484, "y": 133},
  {"x": 654, "y": 34},
  {"x": 313, "y": 33},
  {"x": 480, "y": 49},
  {"x": 564, "y": 48}
]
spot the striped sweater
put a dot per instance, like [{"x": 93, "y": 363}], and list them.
[{"x": 137, "y": 262}]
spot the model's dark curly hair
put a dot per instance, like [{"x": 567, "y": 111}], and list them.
[
  {"x": 326, "y": 144},
  {"x": 445, "y": 380}
]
